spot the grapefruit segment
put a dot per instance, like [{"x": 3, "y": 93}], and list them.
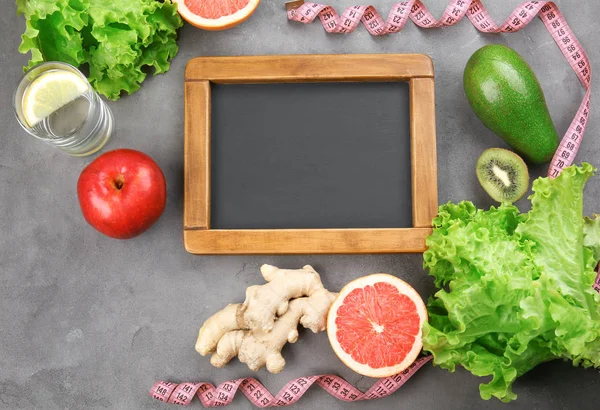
[
  {"x": 215, "y": 14},
  {"x": 374, "y": 325}
]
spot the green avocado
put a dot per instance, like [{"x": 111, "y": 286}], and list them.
[{"x": 507, "y": 97}]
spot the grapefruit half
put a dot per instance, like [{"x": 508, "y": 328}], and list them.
[
  {"x": 215, "y": 14},
  {"x": 374, "y": 325}
]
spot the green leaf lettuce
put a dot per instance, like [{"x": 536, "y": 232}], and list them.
[
  {"x": 515, "y": 289},
  {"x": 115, "y": 38}
]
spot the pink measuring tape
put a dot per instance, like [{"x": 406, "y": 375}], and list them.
[
  {"x": 259, "y": 396},
  {"x": 223, "y": 394},
  {"x": 547, "y": 11}
]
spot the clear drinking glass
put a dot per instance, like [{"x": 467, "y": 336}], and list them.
[{"x": 78, "y": 128}]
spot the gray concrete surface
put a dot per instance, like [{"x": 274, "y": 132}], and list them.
[{"x": 88, "y": 322}]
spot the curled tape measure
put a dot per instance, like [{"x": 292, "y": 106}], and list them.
[
  {"x": 547, "y": 11},
  {"x": 223, "y": 394}
]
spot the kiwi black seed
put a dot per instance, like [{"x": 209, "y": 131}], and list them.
[{"x": 503, "y": 174}]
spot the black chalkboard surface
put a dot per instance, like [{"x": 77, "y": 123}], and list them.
[{"x": 310, "y": 155}]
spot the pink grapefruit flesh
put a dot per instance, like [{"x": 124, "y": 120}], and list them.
[
  {"x": 215, "y": 9},
  {"x": 216, "y": 14},
  {"x": 374, "y": 325}
]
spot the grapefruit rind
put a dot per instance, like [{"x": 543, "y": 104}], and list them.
[
  {"x": 222, "y": 23},
  {"x": 363, "y": 369}
]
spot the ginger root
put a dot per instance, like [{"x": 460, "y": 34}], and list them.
[{"x": 257, "y": 330}]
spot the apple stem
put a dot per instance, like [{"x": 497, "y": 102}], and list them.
[{"x": 118, "y": 182}]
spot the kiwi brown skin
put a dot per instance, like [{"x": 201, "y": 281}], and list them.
[{"x": 495, "y": 167}]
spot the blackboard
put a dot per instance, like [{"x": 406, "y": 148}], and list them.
[{"x": 310, "y": 155}]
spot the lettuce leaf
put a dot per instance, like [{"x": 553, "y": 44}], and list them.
[
  {"x": 117, "y": 39},
  {"x": 516, "y": 289},
  {"x": 591, "y": 234}
]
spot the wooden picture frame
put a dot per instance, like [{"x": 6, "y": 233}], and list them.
[{"x": 200, "y": 72}]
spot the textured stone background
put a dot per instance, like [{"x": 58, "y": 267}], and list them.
[{"x": 90, "y": 322}]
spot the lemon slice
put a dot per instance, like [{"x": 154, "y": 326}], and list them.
[{"x": 49, "y": 92}]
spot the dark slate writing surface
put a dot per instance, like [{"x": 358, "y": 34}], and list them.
[{"x": 317, "y": 155}]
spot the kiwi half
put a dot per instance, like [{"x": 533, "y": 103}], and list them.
[{"x": 503, "y": 174}]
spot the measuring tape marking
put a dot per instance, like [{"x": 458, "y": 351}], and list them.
[{"x": 474, "y": 10}]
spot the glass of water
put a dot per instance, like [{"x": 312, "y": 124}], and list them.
[{"x": 55, "y": 103}]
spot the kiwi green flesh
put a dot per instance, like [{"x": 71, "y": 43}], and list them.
[{"x": 502, "y": 174}]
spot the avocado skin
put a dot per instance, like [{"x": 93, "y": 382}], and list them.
[{"x": 507, "y": 97}]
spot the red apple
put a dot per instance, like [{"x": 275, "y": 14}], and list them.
[{"x": 122, "y": 193}]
